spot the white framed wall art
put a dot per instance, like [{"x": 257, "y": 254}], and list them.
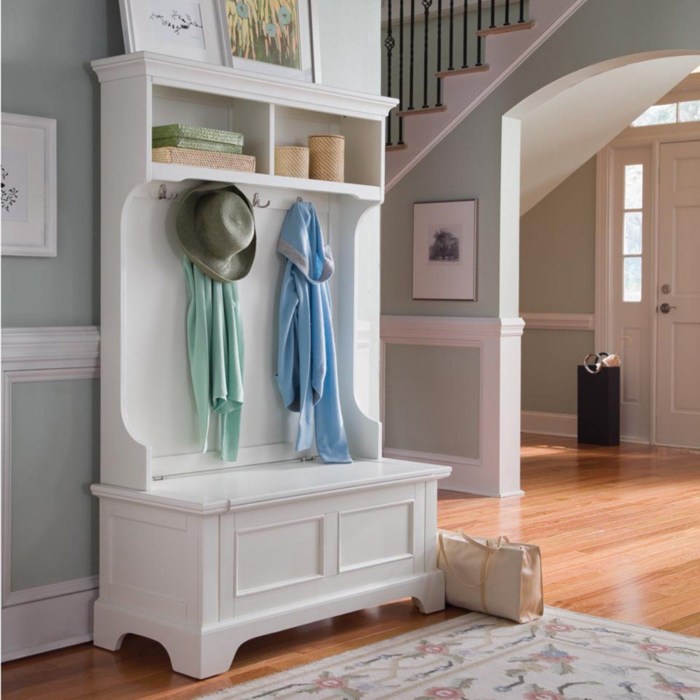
[
  {"x": 444, "y": 250},
  {"x": 28, "y": 185},
  {"x": 183, "y": 28}
]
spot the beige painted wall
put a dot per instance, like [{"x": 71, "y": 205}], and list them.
[
  {"x": 557, "y": 275},
  {"x": 557, "y": 248}
]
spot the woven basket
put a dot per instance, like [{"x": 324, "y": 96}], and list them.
[
  {"x": 327, "y": 157},
  {"x": 204, "y": 159},
  {"x": 292, "y": 161}
]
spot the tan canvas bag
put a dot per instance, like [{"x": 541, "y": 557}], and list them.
[{"x": 493, "y": 576}]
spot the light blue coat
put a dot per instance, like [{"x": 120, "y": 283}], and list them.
[
  {"x": 306, "y": 365},
  {"x": 215, "y": 347}
]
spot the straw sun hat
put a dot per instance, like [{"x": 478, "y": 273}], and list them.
[{"x": 216, "y": 229}]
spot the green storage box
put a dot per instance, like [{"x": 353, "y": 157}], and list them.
[{"x": 197, "y": 137}]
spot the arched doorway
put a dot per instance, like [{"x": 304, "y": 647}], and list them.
[{"x": 551, "y": 133}]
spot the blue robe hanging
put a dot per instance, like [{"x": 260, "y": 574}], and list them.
[{"x": 306, "y": 365}]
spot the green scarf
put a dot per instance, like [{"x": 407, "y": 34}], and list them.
[{"x": 215, "y": 345}]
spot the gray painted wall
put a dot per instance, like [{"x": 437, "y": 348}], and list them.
[
  {"x": 46, "y": 50},
  {"x": 466, "y": 164},
  {"x": 55, "y": 436},
  {"x": 449, "y": 383}
]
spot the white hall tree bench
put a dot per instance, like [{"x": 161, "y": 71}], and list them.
[{"x": 196, "y": 553}]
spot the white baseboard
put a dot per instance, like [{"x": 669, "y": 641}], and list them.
[
  {"x": 559, "y": 424},
  {"x": 44, "y": 625}
]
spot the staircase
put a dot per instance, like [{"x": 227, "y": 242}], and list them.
[{"x": 444, "y": 57}]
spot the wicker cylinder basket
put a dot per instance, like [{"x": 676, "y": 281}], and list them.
[
  {"x": 292, "y": 161},
  {"x": 327, "y": 157}
]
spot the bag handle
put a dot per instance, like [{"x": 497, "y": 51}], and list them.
[{"x": 490, "y": 545}]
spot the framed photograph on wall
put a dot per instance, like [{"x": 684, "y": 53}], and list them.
[
  {"x": 444, "y": 250},
  {"x": 274, "y": 37},
  {"x": 183, "y": 28},
  {"x": 28, "y": 185}
]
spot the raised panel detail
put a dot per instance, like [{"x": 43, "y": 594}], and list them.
[
  {"x": 149, "y": 566},
  {"x": 686, "y": 173},
  {"x": 373, "y": 536},
  {"x": 278, "y": 555},
  {"x": 686, "y": 241},
  {"x": 686, "y": 382},
  {"x": 632, "y": 366}
]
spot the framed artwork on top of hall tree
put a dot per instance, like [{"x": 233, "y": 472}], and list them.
[
  {"x": 278, "y": 38},
  {"x": 28, "y": 185},
  {"x": 444, "y": 250},
  {"x": 182, "y": 28}
]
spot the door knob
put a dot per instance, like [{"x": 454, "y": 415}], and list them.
[{"x": 665, "y": 308}]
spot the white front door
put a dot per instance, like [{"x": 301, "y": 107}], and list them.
[{"x": 678, "y": 296}]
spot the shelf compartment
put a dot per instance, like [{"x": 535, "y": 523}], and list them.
[
  {"x": 251, "y": 118},
  {"x": 292, "y": 127}
]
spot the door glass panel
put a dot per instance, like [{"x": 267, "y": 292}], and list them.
[
  {"x": 658, "y": 114},
  {"x": 633, "y": 233},
  {"x": 689, "y": 111},
  {"x": 632, "y": 279},
  {"x": 633, "y": 186}
]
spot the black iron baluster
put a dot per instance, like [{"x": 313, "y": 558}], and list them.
[
  {"x": 452, "y": 34},
  {"x": 400, "y": 141},
  {"x": 507, "y": 19},
  {"x": 493, "y": 14},
  {"x": 438, "y": 89},
  {"x": 478, "y": 29},
  {"x": 522, "y": 12},
  {"x": 389, "y": 44},
  {"x": 426, "y": 6},
  {"x": 412, "y": 48},
  {"x": 464, "y": 36}
]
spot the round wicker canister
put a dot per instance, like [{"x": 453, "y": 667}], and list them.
[
  {"x": 292, "y": 161},
  {"x": 327, "y": 157}
]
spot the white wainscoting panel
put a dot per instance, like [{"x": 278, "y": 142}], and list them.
[
  {"x": 47, "y": 617},
  {"x": 496, "y": 471}
]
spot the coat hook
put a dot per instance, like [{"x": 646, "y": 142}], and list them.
[
  {"x": 163, "y": 193},
  {"x": 300, "y": 200},
  {"x": 257, "y": 203}
]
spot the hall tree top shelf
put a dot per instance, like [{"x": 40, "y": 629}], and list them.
[
  {"x": 143, "y": 295},
  {"x": 269, "y": 112}
]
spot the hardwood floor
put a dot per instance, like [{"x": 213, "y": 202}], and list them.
[{"x": 619, "y": 529}]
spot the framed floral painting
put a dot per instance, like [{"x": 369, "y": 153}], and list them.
[
  {"x": 274, "y": 37},
  {"x": 28, "y": 185},
  {"x": 183, "y": 28},
  {"x": 444, "y": 250}
]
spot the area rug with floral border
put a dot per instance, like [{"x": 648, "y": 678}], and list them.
[{"x": 562, "y": 656}]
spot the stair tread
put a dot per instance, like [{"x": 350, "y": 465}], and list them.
[
  {"x": 461, "y": 71},
  {"x": 421, "y": 110},
  {"x": 517, "y": 27}
]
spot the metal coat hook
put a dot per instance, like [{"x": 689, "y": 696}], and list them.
[
  {"x": 163, "y": 193},
  {"x": 258, "y": 204},
  {"x": 300, "y": 200}
]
